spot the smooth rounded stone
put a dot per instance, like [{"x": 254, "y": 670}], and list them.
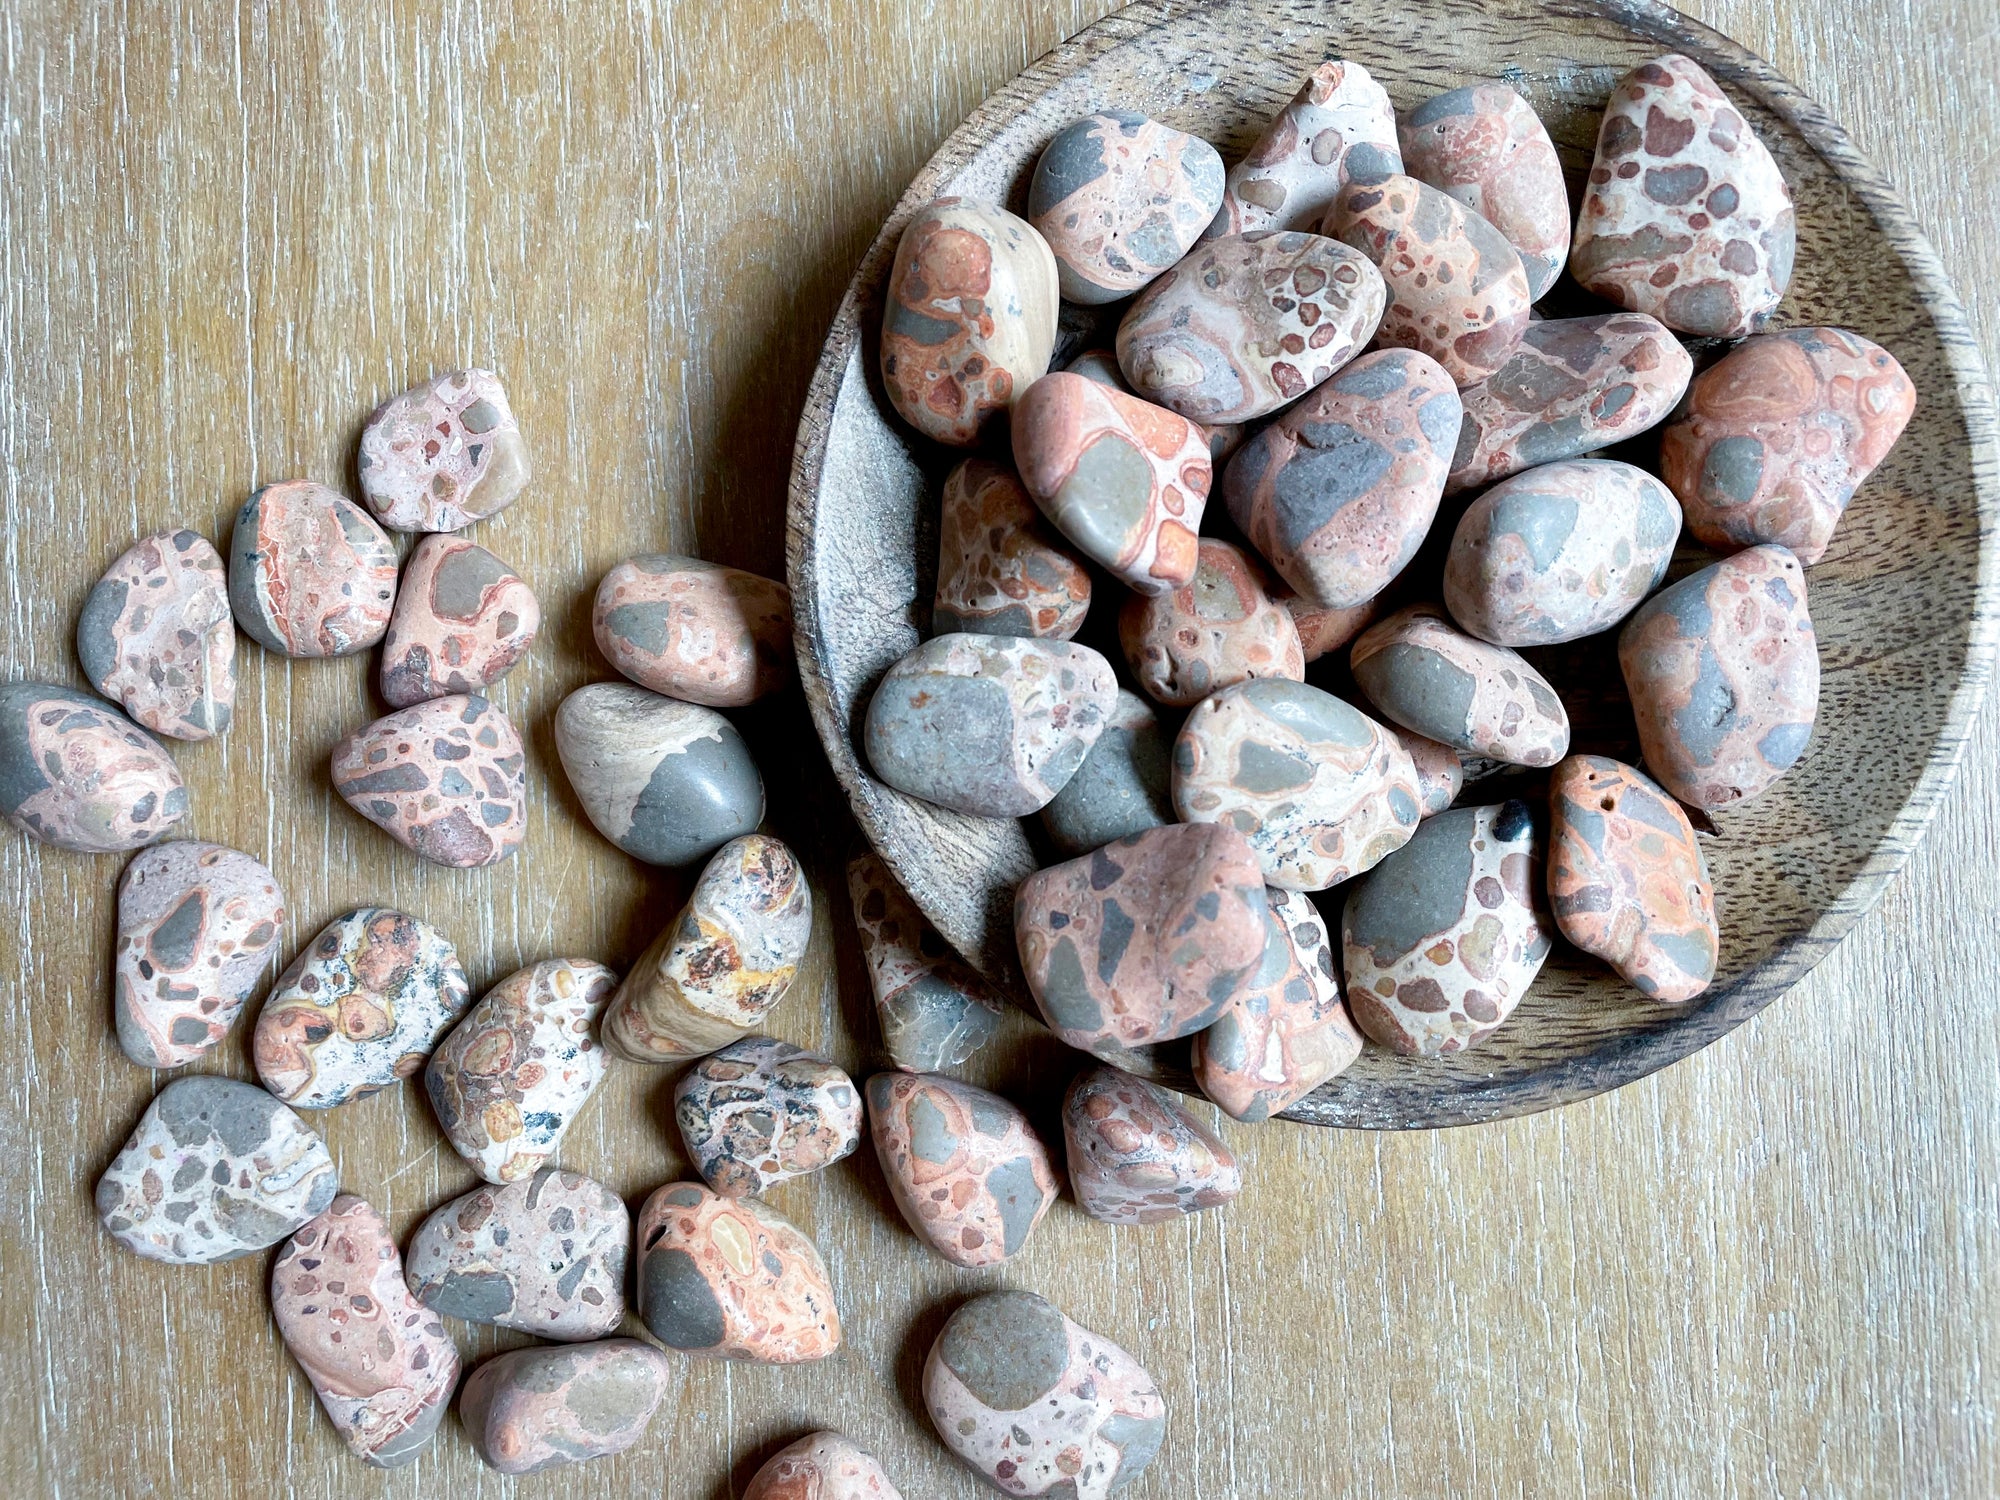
[
  {"x": 511, "y": 1077},
  {"x": 1777, "y": 435},
  {"x": 215, "y": 1170},
  {"x": 1572, "y": 386},
  {"x": 446, "y": 779},
  {"x": 534, "y": 1409},
  {"x": 1222, "y": 628},
  {"x": 965, "y": 1167},
  {"x": 197, "y": 926},
  {"x": 732, "y": 1278},
  {"x": 545, "y": 1255},
  {"x": 1560, "y": 552},
  {"x": 1723, "y": 669},
  {"x": 1120, "y": 198},
  {"x": 1321, "y": 629},
  {"x": 1444, "y": 937},
  {"x": 1686, "y": 217},
  {"x": 359, "y": 1009},
  {"x": 1001, "y": 570},
  {"x": 992, "y": 725},
  {"x": 761, "y": 1112},
  {"x": 1339, "y": 126},
  {"x": 156, "y": 635},
  {"x": 1038, "y": 1404},
  {"x": 1101, "y": 365},
  {"x": 1249, "y": 322},
  {"x": 668, "y": 782},
  {"x": 1340, "y": 491},
  {"x": 1123, "y": 787},
  {"x": 443, "y": 454},
  {"x": 1319, "y": 789},
  {"x": 934, "y": 1008},
  {"x": 1627, "y": 879},
  {"x": 1457, "y": 291},
  {"x": 310, "y": 573},
  {"x": 718, "y": 968},
  {"x": 969, "y": 317},
  {"x": 78, "y": 774},
  {"x": 463, "y": 619},
  {"x": 695, "y": 630},
  {"x": 1440, "y": 771},
  {"x": 380, "y": 1360},
  {"x": 1137, "y": 1157},
  {"x": 1426, "y": 675},
  {"x": 1126, "y": 481},
  {"x": 822, "y": 1466}
]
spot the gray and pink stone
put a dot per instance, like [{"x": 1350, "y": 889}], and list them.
[
  {"x": 156, "y": 635},
  {"x": 1339, "y": 126},
  {"x": 695, "y": 630},
  {"x": 78, "y": 774},
  {"x": 310, "y": 574},
  {"x": 1321, "y": 629},
  {"x": 822, "y": 1466},
  {"x": 446, "y": 779},
  {"x": 1440, "y": 771},
  {"x": 1136, "y": 1156},
  {"x": 1221, "y": 629},
  {"x": 1001, "y": 568},
  {"x": 1428, "y": 676},
  {"x": 935, "y": 1009},
  {"x": 531, "y": 1410},
  {"x": 1124, "y": 785},
  {"x": 443, "y": 454},
  {"x": 463, "y": 620},
  {"x": 761, "y": 1112}
]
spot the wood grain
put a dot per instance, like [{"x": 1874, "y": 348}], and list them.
[{"x": 226, "y": 231}]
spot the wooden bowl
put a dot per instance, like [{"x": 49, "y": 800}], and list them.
[{"x": 1903, "y": 601}]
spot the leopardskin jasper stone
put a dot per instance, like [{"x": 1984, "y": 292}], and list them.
[
  {"x": 935, "y": 1009},
  {"x": 1124, "y": 785},
  {"x": 1120, "y": 198},
  {"x": 822, "y": 1466},
  {"x": 197, "y": 926},
  {"x": 78, "y": 774},
  {"x": 1776, "y": 436},
  {"x": 156, "y": 635},
  {"x": 1444, "y": 937},
  {"x": 1137, "y": 1157},
  {"x": 1339, "y": 126},
  {"x": 1440, "y": 771},
  {"x": 1101, "y": 365},
  {"x": 447, "y": 779},
  {"x": 967, "y": 1170},
  {"x": 1428, "y": 676},
  {"x": 1627, "y": 879},
  {"x": 310, "y": 574},
  {"x": 1321, "y": 629},
  {"x": 1223, "y": 628},
  {"x": 695, "y": 630},
  {"x": 1000, "y": 569},
  {"x": 1723, "y": 669},
  {"x": 1320, "y": 790},
  {"x": 530, "y": 1410},
  {"x": 1686, "y": 217},
  {"x": 463, "y": 619},
  {"x": 443, "y": 454},
  {"x": 761, "y": 1112}
]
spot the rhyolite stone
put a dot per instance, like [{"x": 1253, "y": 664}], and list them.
[
  {"x": 1776, "y": 436},
  {"x": 1440, "y": 771},
  {"x": 1723, "y": 669},
  {"x": 78, "y": 774},
  {"x": 359, "y": 1009},
  {"x": 1319, "y": 789},
  {"x": 969, "y": 317},
  {"x": 310, "y": 573},
  {"x": 1221, "y": 628},
  {"x": 1119, "y": 198},
  {"x": 1001, "y": 570},
  {"x": 530, "y": 1410},
  {"x": 822, "y": 1466},
  {"x": 197, "y": 926},
  {"x": 446, "y": 779},
  {"x": 462, "y": 621},
  {"x": 991, "y": 725},
  {"x": 508, "y": 1081},
  {"x": 935, "y": 1009},
  {"x": 1339, "y": 126},
  {"x": 732, "y": 1278},
  {"x": 1322, "y": 629},
  {"x": 1136, "y": 1156},
  {"x": 695, "y": 630},
  {"x": 1124, "y": 785},
  {"x": 1427, "y": 675},
  {"x": 761, "y": 1112},
  {"x": 1627, "y": 880},
  {"x": 967, "y": 1170},
  {"x": 215, "y": 1170},
  {"x": 1038, "y": 1404},
  {"x": 1686, "y": 217},
  {"x": 668, "y": 782},
  {"x": 157, "y": 636},
  {"x": 1443, "y": 938},
  {"x": 443, "y": 454}
]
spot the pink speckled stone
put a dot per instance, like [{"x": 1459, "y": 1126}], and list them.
[
  {"x": 1137, "y": 1157},
  {"x": 310, "y": 574},
  {"x": 1440, "y": 770},
  {"x": 1339, "y": 126},
  {"x": 463, "y": 618},
  {"x": 443, "y": 454},
  {"x": 1430, "y": 677},
  {"x": 822, "y": 1466},
  {"x": 78, "y": 774},
  {"x": 1222, "y": 628},
  {"x": 1000, "y": 568},
  {"x": 446, "y": 779},
  {"x": 156, "y": 635},
  {"x": 536, "y": 1409},
  {"x": 695, "y": 630}
]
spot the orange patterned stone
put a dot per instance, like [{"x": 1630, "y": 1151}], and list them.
[
  {"x": 463, "y": 618},
  {"x": 1000, "y": 569},
  {"x": 446, "y": 779},
  {"x": 1321, "y": 629},
  {"x": 695, "y": 630},
  {"x": 1339, "y": 126},
  {"x": 443, "y": 454},
  {"x": 309, "y": 573},
  {"x": 1137, "y": 1157},
  {"x": 822, "y": 1466},
  {"x": 1222, "y": 628}
]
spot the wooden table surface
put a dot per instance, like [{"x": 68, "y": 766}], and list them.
[{"x": 226, "y": 231}]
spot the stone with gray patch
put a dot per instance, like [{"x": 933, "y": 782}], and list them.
[
  {"x": 157, "y": 636},
  {"x": 1428, "y": 676},
  {"x": 531, "y": 1410},
  {"x": 447, "y": 779},
  {"x": 76, "y": 773},
  {"x": 1123, "y": 786}
]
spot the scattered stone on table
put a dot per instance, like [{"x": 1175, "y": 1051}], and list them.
[
  {"x": 1137, "y": 1157},
  {"x": 1339, "y": 126},
  {"x": 822, "y": 1466},
  {"x": 197, "y": 925},
  {"x": 1777, "y": 435},
  {"x": 695, "y": 630},
  {"x": 968, "y": 1171},
  {"x": 463, "y": 619},
  {"x": 718, "y": 968},
  {"x": 1627, "y": 879},
  {"x": 443, "y": 454},
  {"x": 1322, "y": 630},
  {"x": 935, "y": 1009},
  {"x": 534, "y": 1409},
  {"x": 156, "y": 635},
  {"x": 215, "y": 1170},
  {"x": 510, "y": 1079},
  {"x": 380, "y": 1360},
  {"x": 446, "y": 779},
  {"x": 1123, "y": 786},
  {"x": 310, "y": 574},
  {"x": 1440, "y": 771},
  {"x": 992, "y": 725},
  {"x": 359, "y": 1009},
  {"x": 1686, "y": 218},
  {"x": 761, "y": 1112},
  {"x": 733, "y": 1278},
  {"x": 1426, "y": 675},
  {"x": 668, "y": 782},
  {"x": 78, "y": 774},
  {"x": 1319, "y": 789},
  {"x": 1723, "y": 669},
  {"x": 1221, "y": 628},
  {"x": 1001, "y": 570},
  {"x": 1444, "y": 937}
]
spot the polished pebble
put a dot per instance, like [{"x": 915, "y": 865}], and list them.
[
  {"x": 446, "y": 779},
  {"x": 1321, "y": 629},
  {"x": 530, "y": 1410},
  {"x": 822, "y": 1466},
  {"x": 695, "y": 630},
  {"x": 1124, "y": 785},
  {"x": 1137, "y": 1157},
  {"x": 1440, "y": 771},
  {"x": 443, "y": 454},
  {"x": 1222, "y": 628},
  {"x": 463, "y": 620},
  {"x": 1001, "y": 569},
  {"x": 309, "y": 573},
  {"x": 1339, "y": 126},
  {"x": 78, "y": 774},
  {"x": 761, "y": 1112},
  {"x": 157, "y": 636},
  {"x": 934, "y": 1008},
  {"x": 1428, "y": 676}
]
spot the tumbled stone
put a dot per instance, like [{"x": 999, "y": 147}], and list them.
[
  {"x": 1444, "y": 937},
  {"x": 969, "y": 1173},
  {"x": 1777, "y": 435},
  {"x": 1627, "y": 879},
  {"x": 78, "y": 774},
  {"x": 1000, "y": 569},
  {"x": 936, "y": 1010},
  {"x": 443, "y": 454},
  {"x": 1440, "y": 771},
  {"x": 216, "y": 1169},
  {"x": 463, "y": 619},
  {"x": 309, "y": 573},
  {"x": 1686, "y": 217},
  {"x": 535, "y": 1409},
  {"x": 447, "y": 779},
  {"x": 695, "y": 630},
  {"x": 668, "y": 782},
  {"x": 761, "y": 1112},
  {"x": 1723, "y": 669},
  {"x": 1222, "y": 628},
  {"x": 1137, "y": 1157},
  {"x": 359, "y": 1009},
  {"x": 732, "y": 1278},
  {"x": 822, "y": 1466},
  {"x": 1038, "y": 1404},
  {"x": 1321, "y": 629},
  {"x": 1339, "y": 126},
  {"x": 1123, "y": 786},
  {"x": 1428, "y": 676},
  {"x": 156, "y": 635},
  {"x": 197, "y": 926}
]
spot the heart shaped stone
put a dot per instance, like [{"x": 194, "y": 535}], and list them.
[{"x": 447, "y": 779}]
